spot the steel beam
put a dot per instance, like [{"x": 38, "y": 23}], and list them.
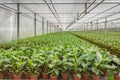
[
  {"x": 91, "y": 23},
  {"x": 97, "y": 25},
  {"x": 105, "y": 22},
  {"x": 35, "y": 24},
  {"x": 104, "y": 11},
  {"x": 50, "y": 27},
  {"x": 47, "y": 25},
  {"x": 56, "y": 17},
  {"x": 18, "y": 22},
  {"x": 42, "y": 25},
  {"x": 85, "y": 8},
  {"x": 72, "y": 13},
  {"x": 65, "y": 3},
  {"x": 110, "y": 20},
  {"x": 88, "y": 12},
  {"x": 88, "y": 26}
]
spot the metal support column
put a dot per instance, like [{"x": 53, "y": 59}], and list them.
[
  {"x": 35, "y": 24},
  {"x": 84, "y": 26},
  {"x": 74, "y": 20},
  {"x": 105, "y": 23},
  {"x": 77, "y": 16},
  {"x": 87, "y": 26},
  {"x": 91, "y": 25},
  {"x": 85, "y": 8},
  {"x": 42, "y": 25},
  {"x": 97, "y": 24},
  {"x": 53, "y": 28},
  {"x": 18, "y": 21},
  {"x": 50, "y": 27},
  {"x": 47, "y": 25}
]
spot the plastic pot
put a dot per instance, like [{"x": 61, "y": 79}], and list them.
[
  {"x": 85, "y": 76},
  {"x": 65, "y": 76},
  {"x": 10, "y": 75},
  {"x": 45, "y": 76},
  {"x": 1, "y": 76},
  {"x": 39, "y": 75},
  {"x": 104, "y": 73},
  {"x": 53, "y": 78},
  {"x": 33, "y": 77},
  {"x": 5, "y": 73},
  {"x": 76, "y": 77},
  {"x": 17, "y": 77},
  {"x": 95, "y": 77},
  {"x": 116, "y": 77},
  {"x": 27, "y": 76}
]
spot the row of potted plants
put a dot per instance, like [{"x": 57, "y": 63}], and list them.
[
  {"x": 52, "y": 39},
  {"x": 23, "y": 55},
  {"x": 33, "y": 61},
  {"x": 109, "y": 40}
]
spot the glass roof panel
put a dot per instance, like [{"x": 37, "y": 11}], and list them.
[{"x": 65, "y": 11}]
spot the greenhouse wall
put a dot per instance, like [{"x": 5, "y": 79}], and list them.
[
  {"x": 39, "y": 28},
  {"x": 26, "y": 27},
  {"x": 7, "y": 25}
]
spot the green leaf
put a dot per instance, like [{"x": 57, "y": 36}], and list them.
[{"x": 116, "y": 60}]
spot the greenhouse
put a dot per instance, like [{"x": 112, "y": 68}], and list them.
[{"x": 59, "y": 39}]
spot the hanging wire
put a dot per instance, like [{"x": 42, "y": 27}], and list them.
[
  {"x": 87, "y": 12},
  {"x": 52, "y": 12},
  {"x": 55, "y": 11},
  {"x": 82, "y": 13}
]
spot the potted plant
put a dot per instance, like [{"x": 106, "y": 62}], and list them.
[
  {"x": 1, "y": 65},
  {"x": 96, "y": 68},
  {"x": 77, "y": 76},
  {"x": 7, "y": 63},
  {"x": 54, "y": 66},
  {"x": 54, "y": 74},
  {"x": 17, "y": 65},
  {"x": 33, "y": 65},
  {"x": 46, "y": 69},
  {"x": 66, "y": 65},
  {"x": 116, "y": 70},
  {"x": 27, "y": 53},
  {"x": 86, "y": 61},
  {"x": 77, "y": 72},
  {"x": 96, "y": 73},
  {"x": 32, "y": 69},
  {"x": 105, "y": 64},
  {"x": 76, "y": 60}
]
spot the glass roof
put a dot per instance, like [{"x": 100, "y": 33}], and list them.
[{"x": 67, "y": 13}]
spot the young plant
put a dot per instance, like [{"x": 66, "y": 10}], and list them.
[
  {"x": 76, "y": 63},
  {"x": 66, "y": 63},
  {"x": 54, "y": 65},
  {"x": 96, "y": 65},
  {"x": 17, "y": 64},
  {"x": 1, "y": 62},
  {"x": 105, "y": 64},
  {"x": 116, "y": 62},
  {"x": 35, "y": 63},
  {"x": 47, "y": 60}
]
